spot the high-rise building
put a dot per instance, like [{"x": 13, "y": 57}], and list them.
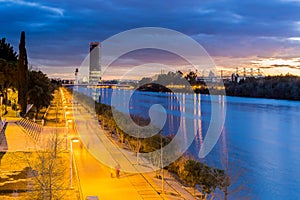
[{"x": 95, "y": 63}]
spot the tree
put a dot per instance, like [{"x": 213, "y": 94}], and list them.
[
  {"x": 7, "y": 51},
  {"x": 40, "y": 90},
  {"x": 192, "y": 173},
  {"x": 7, "y": 79},
  {"x": 207, "y": 178},
  {"x": 22, "y": 75},
  {"x": 144, "y": 81},
  {"x": 191, "y": 77},
  {"x": 49, "y": 170},
  {"x": 210, "y": 179},
  {"x": 230, "y": 178},
  {"x": 8, "y": 59},
  {"x": 276, "y": 87}
]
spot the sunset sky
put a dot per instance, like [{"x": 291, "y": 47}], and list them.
[{"x": 235, "y": 33}]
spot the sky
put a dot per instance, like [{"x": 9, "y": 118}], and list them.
[{"x": 235, "y": 33}]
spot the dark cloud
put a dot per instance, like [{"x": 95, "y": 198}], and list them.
[
  {"x": 277, "y": 65},
  {"x": 61, "y": 30},
  {"x": 288, "y": 66}
]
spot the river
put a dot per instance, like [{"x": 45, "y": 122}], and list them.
[{"x": 261, "y": 136}]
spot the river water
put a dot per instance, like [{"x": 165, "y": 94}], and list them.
[{"x": 261, "y": 136}]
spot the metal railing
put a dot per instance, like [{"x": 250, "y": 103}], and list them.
[{"x": 2, "y": 132}]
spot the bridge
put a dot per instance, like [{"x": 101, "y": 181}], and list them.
[
  {"x": 242, "y": 73},
  {"x": 100, "y": 85}
]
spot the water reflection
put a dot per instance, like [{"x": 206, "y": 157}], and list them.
[{"x": 261, "y": 134}]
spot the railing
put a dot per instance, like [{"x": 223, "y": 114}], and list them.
[
  {"x": 34, "y": 130},
  {"x": 2, "y": 132}
]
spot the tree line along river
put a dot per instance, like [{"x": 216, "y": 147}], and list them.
[{"x": 261, "y": 136}]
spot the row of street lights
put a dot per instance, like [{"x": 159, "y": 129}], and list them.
[
  {"x": 1, "y": 100},
  {"x": 75, "y": 140}
]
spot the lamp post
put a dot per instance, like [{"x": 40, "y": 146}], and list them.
[
  {"x": 1, "y": 99},
  {"x": 66, "y": 113},
  {"x": 67, "y": 131},
  {"x": 138, "y": 149},
  {"x": 161, "y": 162},
  {"x": 71, "y": 160},
  {"x": 67, "y": 127}
]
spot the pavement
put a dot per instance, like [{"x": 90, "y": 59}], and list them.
[
  {"x": 95, "y": 180},
  {"x": 14, "y": 134},
  {"x": 92, "y": 173},
  {"x": 104, "y": 150}
]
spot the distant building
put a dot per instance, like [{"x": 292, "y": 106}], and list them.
[
  {"x": 76, "y": 76},
  {"x": 95, "y": 63},
  {"x": 235, "y": 78}
]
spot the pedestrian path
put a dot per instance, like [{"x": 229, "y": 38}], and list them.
[
  {"x": 34, "y": 130},
  {"x": 95, "y": 180},
  {"x": 142, "y": 187},
  {"x": 16, "y": 138},
  {"x": 104, "y": 150}
]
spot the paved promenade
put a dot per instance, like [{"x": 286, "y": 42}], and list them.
[
  {"x": 91, "y": 156},
  {"x": 104, "y": 150},
  {"x": 16, "y": 138},
  {"x": 95, "y": 179}
]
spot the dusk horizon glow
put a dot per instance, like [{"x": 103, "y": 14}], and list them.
[{"x": 248, "y": 34}]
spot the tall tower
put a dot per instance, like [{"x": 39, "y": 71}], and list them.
[
  {"x": 76, "y": 80},
  {"x": 95, "y": 64}
]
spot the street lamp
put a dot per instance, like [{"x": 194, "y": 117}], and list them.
[
  {"x": 1, "y": 99},
  {"x": 138, "y": 149},
  {"x": 161, "y": 162},
  {"x": 66, "y": 113},
  {"x": 66, "y": 135},
  {"x": 66, "y": 129},
  {"x": 70, "y": 122},
  {"x": 71, "y": 159}
]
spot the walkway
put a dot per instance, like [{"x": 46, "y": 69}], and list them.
[
  {"x": 95, "y": 179},
  {"x": 14, "y": 134},
  {"x": 105, "y": 151},
  {"x": 94, "y": 176}
]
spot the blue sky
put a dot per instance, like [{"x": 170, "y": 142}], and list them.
[{"x": 235, "y": 33}]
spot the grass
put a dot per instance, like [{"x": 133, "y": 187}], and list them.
[
  {"x": 17, "y": 177},
  {"x": 55, "y": 114},
  {"x": 15, "y": 180},
  {"x": 55, "y": 117}
]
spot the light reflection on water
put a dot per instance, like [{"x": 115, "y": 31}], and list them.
[{"x": 262, "y": 137}]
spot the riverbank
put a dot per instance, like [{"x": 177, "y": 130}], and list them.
[
  {"x": 206, "y": 177},
  {"x": 271, "y": 87},
  {"x": 254, "y": 129}
]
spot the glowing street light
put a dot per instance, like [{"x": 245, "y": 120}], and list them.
[
  {"x": 67, "y": 127},
  {"x": 1, "y": 99},
  {"x": 71, "y": 160}
]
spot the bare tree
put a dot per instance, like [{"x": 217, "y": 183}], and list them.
[
  {"x": 49, "y": 170},
  {"x": 232, "y": 180}
]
